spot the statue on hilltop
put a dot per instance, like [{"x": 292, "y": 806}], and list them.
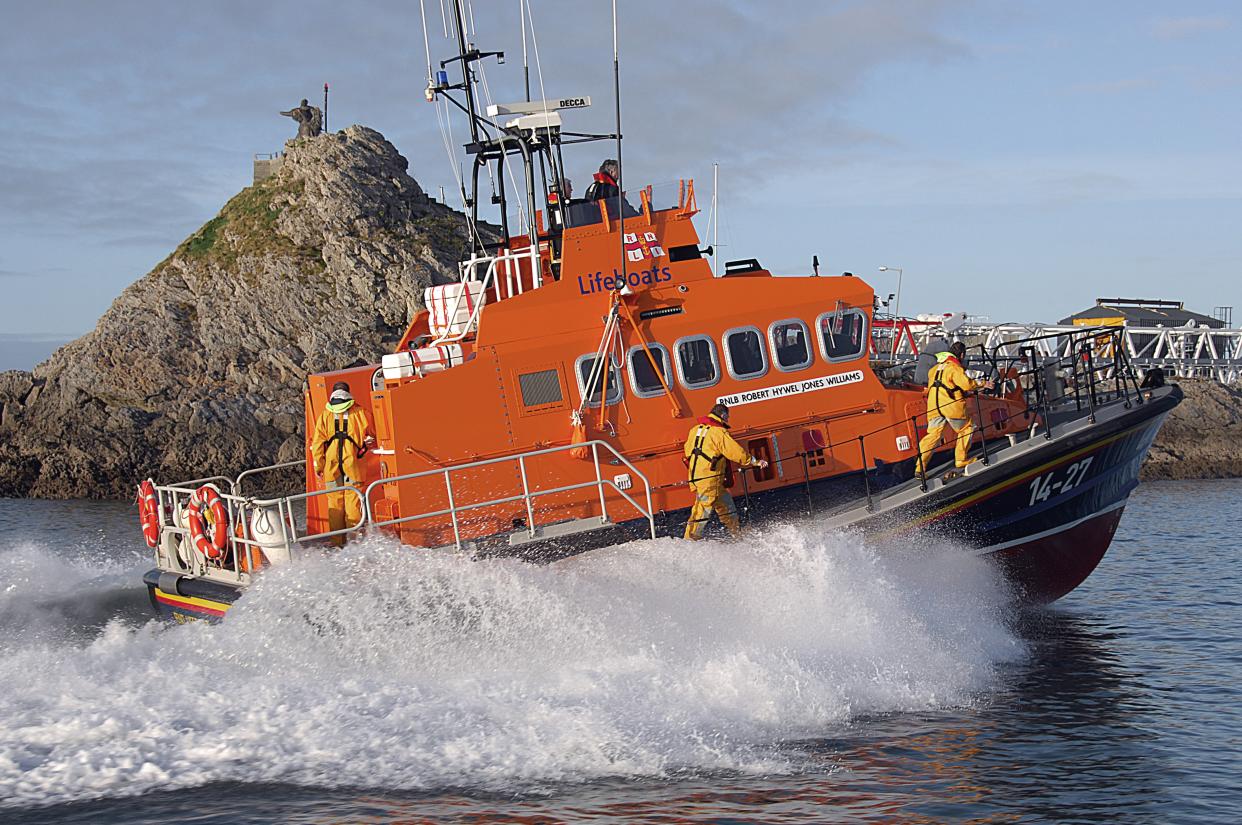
[{"x": 309, "y": 118}]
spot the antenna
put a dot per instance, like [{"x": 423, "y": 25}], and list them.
[
  {"x": 815, "y": 265},
  {"x": 325, "y": 107},
  {"x": 525, "y": 63},
  {"x": 616, "y": 91},
  {"x": 715, "y": 219}
]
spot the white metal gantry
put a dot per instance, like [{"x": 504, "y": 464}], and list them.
[{"x": 1186, "y": 352}]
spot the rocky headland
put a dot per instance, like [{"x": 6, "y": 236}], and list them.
[
  {"x": 198, "y": 367},
  {"x": 1202, "y": 437}
]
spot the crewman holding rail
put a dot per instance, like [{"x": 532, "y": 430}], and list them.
[
  {"x": 341, "y": 438},
  {"x": 708, "y": 448},
  {"x": 947, "y": 387}
]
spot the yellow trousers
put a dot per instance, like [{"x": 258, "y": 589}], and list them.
[
  {"x": 710, "y": 494},
  {"x": 964, "y": 428},
  {"x": 344, "y": 510}
]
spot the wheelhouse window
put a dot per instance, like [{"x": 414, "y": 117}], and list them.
[
  {"x": 591, "y": 389},
  {"x": 746, "y": 355},
  {"x": 697, "y": 366},
  {"x": 791, "y": 345},
  {"x": 644, "y": 377},
  {"x": 842, "y": 335}
]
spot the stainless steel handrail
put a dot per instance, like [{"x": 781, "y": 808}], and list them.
[
  {"x": 256, "y": 470},
  {"x": 527, "y": 495},
  {"x": 195, "y": 483},
  {"x": 240, "y": 510},
  {"x": 492, "y": 276}
]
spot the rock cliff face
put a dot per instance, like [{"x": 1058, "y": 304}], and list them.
[
  {"x": 198, "y": 366},
  {"x": 1202, "y": 437}
]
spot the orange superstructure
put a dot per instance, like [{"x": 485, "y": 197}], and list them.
[{"x": 790, "y": 354}]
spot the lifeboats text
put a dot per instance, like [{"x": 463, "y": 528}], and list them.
[{"x": 599, "y": 282}]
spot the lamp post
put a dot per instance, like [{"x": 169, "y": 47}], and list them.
[{"x": 896, "y": 307}]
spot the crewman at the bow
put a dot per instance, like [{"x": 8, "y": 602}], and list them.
[
  {"x": 341, "y": 438},
  {"x": 947, "y": 388},
  {"x": 708, "y": 449}
]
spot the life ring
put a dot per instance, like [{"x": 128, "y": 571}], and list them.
[
  {"x": 149, "y": 512},
  {"x": 207, "y": 499}
]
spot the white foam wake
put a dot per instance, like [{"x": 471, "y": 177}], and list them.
[{"x": 388, "y": 667}]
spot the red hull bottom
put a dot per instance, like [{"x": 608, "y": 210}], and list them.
[{"x": 1046, "y": 568}]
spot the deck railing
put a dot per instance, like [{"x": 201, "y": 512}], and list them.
[
  {"x": 1083, "y": 366},
  {"x": 176, "y": 552},
  {"x": 527, "y": 496}
]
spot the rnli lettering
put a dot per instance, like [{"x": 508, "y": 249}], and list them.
[
  {"x": 599, "y": 282},
  {"x": 793, "y": 388}
]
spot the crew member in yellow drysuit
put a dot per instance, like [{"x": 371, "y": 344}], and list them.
[
  {"x": 708, "y": 447},
  {"x": 947, "y": 387},
  {"x": 340, "y": 438}
]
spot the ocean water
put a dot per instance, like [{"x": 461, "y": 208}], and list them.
[{"x": 793, "y": 677}]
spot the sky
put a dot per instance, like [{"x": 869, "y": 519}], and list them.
[{"x": 1015, "y": 159}]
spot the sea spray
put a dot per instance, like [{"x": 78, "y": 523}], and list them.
[
  {"x": 65, "y": 596},
  {"x": 384, "y": 666}
]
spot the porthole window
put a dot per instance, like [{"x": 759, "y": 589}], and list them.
[
  {"x": 644, "y": 377},
  {"x": 697, "y": 366},
  {"x": 842, "y": 335},
  {"x": 791, "y": 345},
  {"x": 745, "y": 353},
  {"x": 584, "y": 369}
]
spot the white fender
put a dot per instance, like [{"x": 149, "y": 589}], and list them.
[{"x": 266, "y": 532}]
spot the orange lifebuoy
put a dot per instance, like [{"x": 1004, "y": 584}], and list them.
[
  {"x": 149, "y": 512},
  {"x": 207, "y": 499}
]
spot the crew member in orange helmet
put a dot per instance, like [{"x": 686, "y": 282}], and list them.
[
  {"x": 947, "y": 387},
  {"x": 708, "y": 447},
  {"x": 341, "y": 437}
]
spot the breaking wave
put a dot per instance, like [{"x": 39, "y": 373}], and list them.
[{"x": 386, "y": 667}]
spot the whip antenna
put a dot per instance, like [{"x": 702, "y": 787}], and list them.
[
  {"x": 715, "y": 221},
  {"x": 525, "y": 62},
  {"x": 616, "y": 91}
]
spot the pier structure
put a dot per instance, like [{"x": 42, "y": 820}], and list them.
[{"x": 1185, "y": 352}]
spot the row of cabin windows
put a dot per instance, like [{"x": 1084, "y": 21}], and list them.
[{"x": 841, "y": 338}]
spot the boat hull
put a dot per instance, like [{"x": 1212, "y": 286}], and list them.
[
  {"x": 1046, "y": 517},
  {"x": 186, "y": 599}
]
